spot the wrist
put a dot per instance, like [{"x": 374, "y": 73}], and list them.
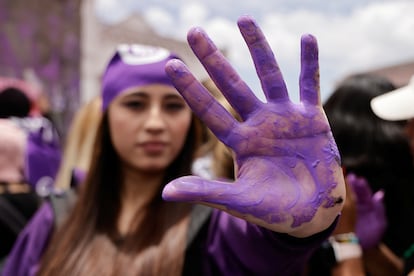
[{"x": 345, "y": 246}]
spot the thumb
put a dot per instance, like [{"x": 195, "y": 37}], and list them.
[
  {"x": 360, "y": 187},
  {"x": 197, "y": 189},
  {"x": 378, "y": 200},
  {"x": 379, "y": 196}
]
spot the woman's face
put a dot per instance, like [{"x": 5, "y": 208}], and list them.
[{"x": 148, "y": 126}]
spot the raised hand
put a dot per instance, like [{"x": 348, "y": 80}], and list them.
[
  {"x": 371, "y": 220},
  {"x": 289, "y": 178}
]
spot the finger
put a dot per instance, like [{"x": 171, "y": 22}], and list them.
[
  {"x": 378, "y": 201},
  {"x": 267, "y": 69},
  {"x": 360, "y": 187},
  {"x": 197, "y": 189},
  {"x": 234, "y": 89},
  {"x": 378, "y": 198},
  {"x": 309, "y": 74},
  {"x": 203, "y": 104}
]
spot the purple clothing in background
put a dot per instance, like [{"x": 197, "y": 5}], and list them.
[
  {"x": 234, "y": 247},
  {"x": 43, "y": 152},
  {"x": 29, "y": 247}
]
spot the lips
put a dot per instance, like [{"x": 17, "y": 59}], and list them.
[{"x": 153, "y": 147}]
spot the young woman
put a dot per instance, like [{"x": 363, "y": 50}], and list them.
[{"x": 287, "y": 195}]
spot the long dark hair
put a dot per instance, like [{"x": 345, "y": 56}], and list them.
[
  {"x": 375, "y": 149},
  {"x": 88, "y": 242}
]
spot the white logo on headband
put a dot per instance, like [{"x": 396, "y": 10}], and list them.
[{"x": 135, "y": 54}]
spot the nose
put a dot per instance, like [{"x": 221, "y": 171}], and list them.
[{"x": 155, "y": 120}]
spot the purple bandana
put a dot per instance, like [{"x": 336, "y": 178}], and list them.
[{"x": 134, "y": 65}]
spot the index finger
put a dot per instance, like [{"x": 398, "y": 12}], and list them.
[
  {"x": 234, "y": 89},
  {"x": 203, "y": 104}
]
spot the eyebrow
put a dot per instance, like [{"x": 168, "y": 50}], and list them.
[
  {"x": 145, "y": 94},
  {"x": 174, "y": 97},
  {"x": 137, "y": 94}
]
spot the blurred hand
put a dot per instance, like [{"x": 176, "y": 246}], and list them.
[
  {"x": 371, "y": 218},
  {"x": 289, "y": 178}
]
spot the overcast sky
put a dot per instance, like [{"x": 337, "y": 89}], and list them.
[{"x": 353, "y": 35}]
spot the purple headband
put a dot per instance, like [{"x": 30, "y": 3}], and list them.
[{"x": 134, "y": 65}]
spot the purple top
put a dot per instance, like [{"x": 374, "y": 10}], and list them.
[
  {"x": 234, "y": 247},
  {"x": 31, "y": 243}
]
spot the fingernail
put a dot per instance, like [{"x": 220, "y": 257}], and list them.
[{"x": 194, "y": 35}]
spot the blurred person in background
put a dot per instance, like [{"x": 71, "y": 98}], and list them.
[
  {"x": 397, "y": 105},
  {"x": 18, "y": 201},
  {"x": 379, "y": 170},
  {"x": 22, "y": 103}
]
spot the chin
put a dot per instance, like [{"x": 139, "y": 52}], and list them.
[
  {"x": 154, "y": 168},
  {"x": 151, "y": 166}
]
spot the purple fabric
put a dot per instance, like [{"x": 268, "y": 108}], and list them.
[
  {"x": 42, "y": 161},
  {"x": 31, "y": 243},
  {"x": 134, "y": 65},
  {"x": 43, "y": 152},
  {"x": 234, "y": 247}
]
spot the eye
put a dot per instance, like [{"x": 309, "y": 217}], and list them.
[
  {"x": 134, "y": 104},
  {"x": 174, "y": 106}
]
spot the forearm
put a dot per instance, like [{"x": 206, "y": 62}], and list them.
[
  {"x": 380, "y": 260},
  {"x": 349, "y": 267}
]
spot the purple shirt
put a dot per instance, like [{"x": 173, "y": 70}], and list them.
[
  {"x": 234, "y": 247},
  {"x": 31, "y": 243}
]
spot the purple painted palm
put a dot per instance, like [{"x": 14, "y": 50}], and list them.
[{"x": 289, "y": 178}]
